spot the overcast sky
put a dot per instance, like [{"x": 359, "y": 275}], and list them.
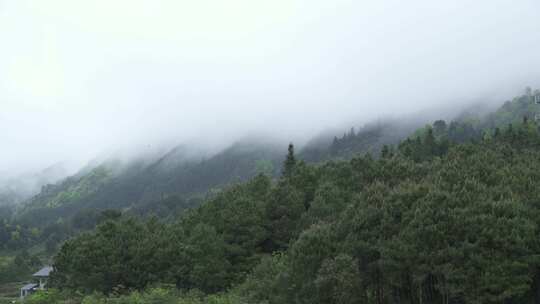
[{"x": 78, "y": 77}]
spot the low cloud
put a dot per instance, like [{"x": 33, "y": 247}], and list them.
[{"x": 79, "y": 78}]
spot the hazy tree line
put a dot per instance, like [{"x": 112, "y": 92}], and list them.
[
  {"x": 74, "y": 205},
  {"x": 468, "y": 126},
  {"x": 449, "y": 215},
  {"x": 142, "y": 183},
  {"x": 429, "y": 222}
]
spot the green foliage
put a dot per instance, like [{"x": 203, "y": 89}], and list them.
[
  {"x": 370, "y": 139},
  {"x": 457, "y": 226},
  {"x": 14, "y": 236},
  {"x": 284, "y": 208},
  {"x": 208, "y": 266},
  {"x": 155, "y": 295},
  {"x": 269, "y": 281},
  {"x": 425, "y": 146},
  {"x": 290, "y": 162},
  {"x": 19, "y": 267},
  {"x": 450, "y": 216},
  {"x": 87, "y": 185},
  {"x": 47, "y": 297},
  {"x": 264, "y": 166},
  {"x": 338, "y": 280},
  {"x": 306, "y": 256},
  {"x": 165, "y": 187}
]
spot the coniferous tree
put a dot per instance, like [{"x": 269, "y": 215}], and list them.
[
  {"x": 290, "y": 162},
  {"x": 385, "y": 152},
  {"x": 461, "y": 228},
  {"x": 497, "y": 133},
  {"x": 335, "y": 141},
  {"x": 429, "y": 141},
  {"x": 439, "y": 127},
  {"x": 352, "y": 133}
]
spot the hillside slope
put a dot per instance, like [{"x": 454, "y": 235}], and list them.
[
  {"x": 471, "y": 123},
  {"x": 430, "y": 221},
  {"x": 14, "y": 190},
  {"x": 113, "y": 185},
  {"x": 169, "y": 184}
]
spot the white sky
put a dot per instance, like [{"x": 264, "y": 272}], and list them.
[{"x": 79, "y": 77}]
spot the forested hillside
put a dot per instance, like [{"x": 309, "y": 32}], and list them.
[
  {"x": 373, "y": 136},
  {"x": 16, "y": 189},
  {"x": 450, "y": 215},
  {"x": 368, "y": 139},
  {"x": 443, "y": 214},
  {"x": 139, "y": 184},
  {"x": 144, "y": 186},
  {"x": 269, "y": 152},
  {"x": 31, "y": 232}
]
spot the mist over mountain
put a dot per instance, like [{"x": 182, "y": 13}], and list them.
[
  {"x": 364, "y": 199},
  {"x": 167, "y": 182},
  {"x": 17, "y": 189},
  {"x": 155, "y": 75},
  {"x": 269, "y": 152}
]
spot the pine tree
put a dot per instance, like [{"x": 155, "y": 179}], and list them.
[
  {"x": 510, "y": 132},
  {"x": 439, "y": 127},
  {"x": 290, "y": 162},
  {"x": 497, "y": 133},
  {"x": 335, "y": 142},
  {"x": 385, "y": 152},
  {"x": 430, "y": 144},
  {"x": 352, "y": 133}
]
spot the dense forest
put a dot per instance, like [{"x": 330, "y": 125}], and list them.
[
  {"x": 139, "y": 183},
  {"x": 453, "y": 225},
  {"x": 447, "y": 215}
]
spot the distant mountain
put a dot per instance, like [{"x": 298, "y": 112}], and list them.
[
  {"x": 17, "y": 189},
  {"x": 453, "y": 202},
  {"x": 473, "y": 122},
  {"x": 142, "y": 185},
  {"x": 180, "y": 178},
  {"x": 369, "y": 139}
]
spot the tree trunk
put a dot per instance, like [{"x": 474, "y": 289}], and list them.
[
  {"x": 536, "y": 287},
  {"x": 379, "y": 291}
]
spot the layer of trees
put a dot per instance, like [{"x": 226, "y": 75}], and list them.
[
  {"x": 449, "y": 215},
  {"x": 430, "y": 222},
  {"x": 368, "y": 139},
  {"x": 168, "y": 186},
  {"x": 142, "y": 185}
]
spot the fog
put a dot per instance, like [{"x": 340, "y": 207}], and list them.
[{"x": 80, "y": 78}]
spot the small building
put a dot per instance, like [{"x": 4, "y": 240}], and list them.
[
  {"x": 536, "y": 98},
  {"x": 28, "y": 289},
  {"x": 41, "y": 277}
]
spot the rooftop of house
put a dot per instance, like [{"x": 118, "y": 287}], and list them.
[
  {"x": 29, "y": 286},
  {"x": 43, "y": 272}
]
